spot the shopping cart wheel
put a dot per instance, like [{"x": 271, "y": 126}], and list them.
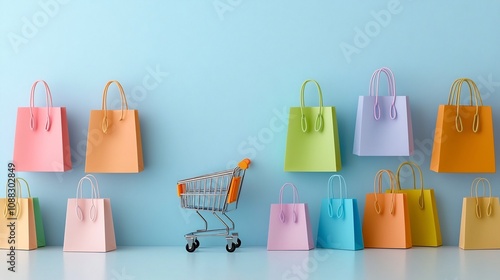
[
  {"x": 192, "y": 248},
  {"x": 238, "y": 244},
  {"x": 196, "y": 243},
  {"x": 230, "y": 250}
]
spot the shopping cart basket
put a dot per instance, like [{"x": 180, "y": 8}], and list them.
[{"x": 217, "y": 193}]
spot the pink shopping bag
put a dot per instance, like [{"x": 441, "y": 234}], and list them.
[
  {"x": 42, "y": 138},
  {"x": 383, "y": 123},
  {"x": 289, "y": 225},
  {"x": 89, "y": 222}
]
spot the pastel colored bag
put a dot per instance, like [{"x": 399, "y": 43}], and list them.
[
  {"x": 289, "y": 225},
  {"x": 464, "y": 139},
  {"x": 17, "y": 220},
  {"x": 114, "y": 142},
  {"x": 386, "y": 222},
  {"x": 339, "y": 224},
  {"x": 312, "y": 143},
  {"x": 41, "y": 141},
  {"x": 383, "y": 123},
  {"x": 424, "y": 219},
  {"x": 480, "y": 223},
  {"x": 89, "y": 221}
]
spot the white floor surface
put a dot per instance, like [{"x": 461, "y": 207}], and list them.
[{"x": 137, "y": 263}]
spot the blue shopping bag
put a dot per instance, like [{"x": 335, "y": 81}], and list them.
[{"x": 339, "y": 223}]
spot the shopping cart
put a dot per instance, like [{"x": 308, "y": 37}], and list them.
[{"x": 217, "y": 193}]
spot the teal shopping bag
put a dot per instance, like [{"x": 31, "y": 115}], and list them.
[{"x": 339, "y": 223}]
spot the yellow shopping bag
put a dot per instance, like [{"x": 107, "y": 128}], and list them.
[
  {"x": 424, "y": 219},
  {"x": 480, "y": 224}
]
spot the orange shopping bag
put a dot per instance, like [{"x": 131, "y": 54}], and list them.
[
  {"x": 386, "y": 222},
  {"x": 480, "y": 224},
  {"x": 114, "y": 138},
  {"x": 464, "y": 140},
  {"x": 42, "y": 139}
]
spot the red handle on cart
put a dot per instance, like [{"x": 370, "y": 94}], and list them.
[{"x": 244, "y": 164}]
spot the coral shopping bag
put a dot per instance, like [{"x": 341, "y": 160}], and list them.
[
  {"x": 289, "y": 225},
  {"x": 383, "y": 123},
  {"x": 114, "y": 142},
  {"x": 386, "y": 223},
  {"x": 17, "y": 221},
  {"x": 464, "y": 140},
  {"x": 480, "y": 224},
  {"x": 339, "y": 223},
  {"x": 89, "y": 221},
  {"x": 312, "y": 143},
  {"x": 42, "y": 138},
  {"x": 424, "y": 219}
]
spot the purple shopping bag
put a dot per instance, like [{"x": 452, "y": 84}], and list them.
[
  {"x": 383, "y": 123},
  {"x": 289, "y": 225}
]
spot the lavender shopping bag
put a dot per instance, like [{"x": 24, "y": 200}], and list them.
[
  {"x": 383, "y": 123},
  {"x": 289, "y": 225}
]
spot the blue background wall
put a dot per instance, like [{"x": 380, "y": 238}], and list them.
[{"x": 220, "y": 77}]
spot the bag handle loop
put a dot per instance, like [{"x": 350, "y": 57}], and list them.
[
  {"x": 94, "y": 195},
  {"x": 318, "y": 123},
  {"x": 475, "y": 99},
  {"x": 48, "y": 102},
  {"x": 104, "y": 106},
  {"x": 295, "y": 201},
  {"x": 475, "y": 185},
  {"x": 412, "y": 165},
  {"x": 18, "y": 194},
  {"x": 374, "y": 88},
  {"x": 343, "y": 194},
  {"x": 378, "y": 184}
]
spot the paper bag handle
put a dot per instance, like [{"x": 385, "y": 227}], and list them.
[
  {"x": 18, "y": 194},
  {"x": 48, "y": 102},
  {"x": 378, "y": 184},
  {"x": 318, "y": 123},
  {"x": 475, "y": 99},
  {"x": 295, "y": 201},
  {"x": 94, "y": 195},
  {"x": 374, "y": 87},
  {"x": 412, "y": 165},
  {"x": 475, "y": 185},
  {"x": 343, "y": 194},
  {"x": 104, "y": 107}
]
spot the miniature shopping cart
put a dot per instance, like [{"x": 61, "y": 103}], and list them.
[{"x": 217, "y": 193}]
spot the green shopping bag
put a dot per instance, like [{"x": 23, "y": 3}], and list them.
[
  {"x": 312, "y": 143},
  {"x": 40, "y": 233}
]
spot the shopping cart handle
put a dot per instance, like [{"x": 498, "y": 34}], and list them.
[{"x": 244, "y": 164}]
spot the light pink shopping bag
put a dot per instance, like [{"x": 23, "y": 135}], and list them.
[
  {"x": 383, "y": 123},
  {"x": 42, "y": 139},
  {"x": 89, "y": 222},
  {"x": 289, "y": 225}
]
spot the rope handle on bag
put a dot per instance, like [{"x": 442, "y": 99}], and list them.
[
  {"x": 104, "y": 106},
  {"x": 378, "y": 183},
  {"x": 318, "y": 124},
  {"x": 343, "y": 187},
  {"x": 454, "y": 98},
  {"x": 94, "y": 195},
  {"x": 374, "y": 88},
  {"x": 295, "y": 201},
  {"x": 412, "y": 165},
  {"x": 17, "y": 205},
  {"x": 475, "y": 185},
  {"x": 48, "y": 102}
]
